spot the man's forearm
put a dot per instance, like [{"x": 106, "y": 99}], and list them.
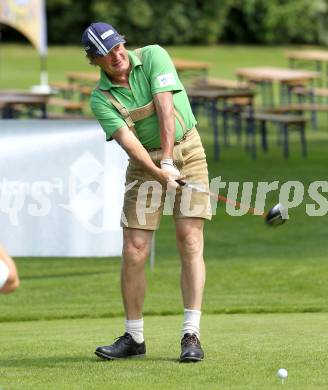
[
  {"x": 130, "y": 143},
  {"x": 165, "y": 113},
  {"x": 139, "y": 154}
]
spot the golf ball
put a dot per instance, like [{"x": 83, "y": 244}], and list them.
[{"x": 282, "y": 373}]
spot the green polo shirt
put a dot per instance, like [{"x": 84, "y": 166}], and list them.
[{"x": 153, "y": 74}]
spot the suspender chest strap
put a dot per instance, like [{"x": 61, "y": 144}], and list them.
[{"x": 120, "y": 108}]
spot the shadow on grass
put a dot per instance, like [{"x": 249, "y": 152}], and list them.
[
  {"x": 65, "y": 361},
  {"x": 66, "y": 275},
  {"x": 45, "y": 362}
]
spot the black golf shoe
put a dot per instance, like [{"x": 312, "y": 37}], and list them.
[
  {"x": 191, "y": 350},
  {"x": 123, "y": 347}
]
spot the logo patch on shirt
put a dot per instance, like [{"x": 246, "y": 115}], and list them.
[
  {"x": 166, "y": 79},
  {"x": 106, "y": 34}
]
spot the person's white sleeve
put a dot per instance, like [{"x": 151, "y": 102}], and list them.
[{"x": 4, "y": 273}]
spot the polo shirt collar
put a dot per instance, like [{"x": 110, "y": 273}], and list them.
[{"x": 106, "y": 84}]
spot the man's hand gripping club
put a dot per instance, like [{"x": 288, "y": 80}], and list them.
[{"x": 174, "y": 174}]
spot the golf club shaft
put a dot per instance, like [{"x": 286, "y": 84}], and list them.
[{"x": 222, "y": 198}]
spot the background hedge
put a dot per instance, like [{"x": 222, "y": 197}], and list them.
[{"x": 191, "y": 21}]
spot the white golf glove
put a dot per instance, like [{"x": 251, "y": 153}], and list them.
[{"x": 168, "y": 166}]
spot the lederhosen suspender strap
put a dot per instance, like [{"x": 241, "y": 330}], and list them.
[
  {"x": 119, "y": 107},
  {"x": 137, "y": 114}
]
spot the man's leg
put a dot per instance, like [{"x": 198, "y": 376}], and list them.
[
  {"x": 136, "y": 247},
  {"x": 189, "y": 233}
]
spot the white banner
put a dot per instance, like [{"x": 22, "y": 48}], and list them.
[{"x": 61, "y": 189}]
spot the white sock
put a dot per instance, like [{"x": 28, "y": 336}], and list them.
[
  {"x": 135, "y": 329},
  {"x": 191, "y": 322}
]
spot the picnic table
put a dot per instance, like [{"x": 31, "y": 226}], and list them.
[
  {"x": 9, "y": 100},
  {"x": 182, "y": 66},
  {"x": 318, "y": 57},
  {"x": 210, "y": 98},
  {"x": 284, "y": 77},
  {"x": 82, "y": 77}
]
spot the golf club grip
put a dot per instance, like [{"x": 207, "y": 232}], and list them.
[{"x": 181, "y": 182}]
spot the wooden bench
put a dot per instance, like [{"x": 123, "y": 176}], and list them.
[
  {"x": 85, "y": 92},
  {"x": 64, "y": 115},
  {"x": 63, "y": 88},
  {"x": 12, "y": 104},
  {"x": 212, "y": 83},
  {"x": 285, "y": 123},
  {"x": 299, "y": 107},
  {"x": 314, "y": 100},
  {"x": 218, "y": 102},
  {"x": 68, "y": 106},
  {"x": 312, "y": 92}
]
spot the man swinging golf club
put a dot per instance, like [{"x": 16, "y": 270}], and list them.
[{"x": 141, "y": 103}]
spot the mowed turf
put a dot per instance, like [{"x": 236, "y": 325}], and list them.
[
  {"x": 242, "y": 352},
  {"x": 236, "y": 283},
  {"x": 224, "y": 59},
  {"x": 272, "y": 282}
]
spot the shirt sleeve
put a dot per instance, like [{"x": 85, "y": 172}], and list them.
[
  {"x": 108, "y": 117},
  {"x": 162, "y": 73}
]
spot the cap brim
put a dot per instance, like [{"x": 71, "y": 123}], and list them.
[{"x": 118, "y": 42}]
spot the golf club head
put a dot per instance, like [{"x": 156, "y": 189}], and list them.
[{"x": 276, "y": 215}]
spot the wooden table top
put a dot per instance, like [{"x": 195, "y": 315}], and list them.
[
  {"x": 276, "y": 74},
  {"x": 22, "y": 97},
  {"x": 312, "y": 55},
  {"x": 181, "y": 65},
  {"x": 219, "y": 94}
]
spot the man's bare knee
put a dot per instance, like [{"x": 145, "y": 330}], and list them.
[
  {"x": 190, "y": 244},
  {"x": 135, "y": 252},
  {"x": 136, "y": 247}
]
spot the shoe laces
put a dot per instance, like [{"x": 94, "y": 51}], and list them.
[
  {"x": 190, "y": 339},
  {"x": 122, "y": 339}
]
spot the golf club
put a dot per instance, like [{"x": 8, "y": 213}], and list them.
[{"x": 274, "y": 217}]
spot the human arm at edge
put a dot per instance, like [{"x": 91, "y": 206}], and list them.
[{"x": 13, "y": 280}]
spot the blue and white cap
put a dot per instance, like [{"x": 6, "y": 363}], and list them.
[{"x": 100, "y": 38}]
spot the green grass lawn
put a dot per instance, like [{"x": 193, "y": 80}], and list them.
[
  {"x": 20, "y": 65},
  {"x": 242, "y": 352},
  {"x": 265, "y": 304}
]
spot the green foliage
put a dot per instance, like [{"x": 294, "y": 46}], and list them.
[
  {"x": 277, "y": 21},
  {"x": 323, "y": 21},
  {"x": 178, "y": 22},
  {"x": 169, "y": 22},
  {"x": 140, "y": 14},
  {"x": 141, "y": 21},
  {"x": 66, "y": 20}
]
